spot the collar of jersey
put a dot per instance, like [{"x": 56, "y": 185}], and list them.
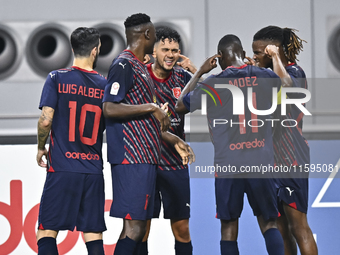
[
  {"x": 134, "y": 56},
  {"x": 291, "y": 64},
  {"x": 154, "y": 76},
  {"x": 83, "y": 70},
  {"x": 239, "y": 67}
]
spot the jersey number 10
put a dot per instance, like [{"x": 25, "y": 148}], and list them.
[{"x": 72, "y": 124}]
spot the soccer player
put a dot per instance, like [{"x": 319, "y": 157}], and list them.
[
  {"x": 172, "y": 182},
  {"x": 133, "y": 121},
  {"x": 71, "y": 104},
  {"x": 278, "y": 48},
  {"x": 237, "y": 144}
]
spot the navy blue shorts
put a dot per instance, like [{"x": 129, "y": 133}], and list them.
[
  {"x": 133, "y": 191},
  {"x": 261, "y": 195},
  {"x": 72, "y": 199},
  {"x": 293, "y": 192},
  {"x": 173, "y": 189}
]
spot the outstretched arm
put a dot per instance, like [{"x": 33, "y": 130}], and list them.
[
  {"x": 207, "y": 66},
  {"x": 44, "y": 127}
]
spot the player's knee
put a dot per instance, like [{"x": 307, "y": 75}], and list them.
[
  {"x": 181, "y": 232},
  {"x": 46, "y": 233},
  {"x": 136, "y": 230}
]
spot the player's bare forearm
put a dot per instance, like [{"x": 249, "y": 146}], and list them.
[
  {"x": 206, "y": 67},
  {"x": 122, "y": 111},
  {"x": 191, "y": 85},
  {"x": 170, "y": 138},
  {"x": 182, "y": 148},
  {"x": 281, "y": 71},
  {"x": 44, "y": 126},
  {"x": 278, "y": 66}
]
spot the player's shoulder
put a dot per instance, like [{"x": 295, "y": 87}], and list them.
[
  {"x": 122, "y": 63},
  {"x": 58, "y": 73},
  {"x": 295, "y": 70},
  {"x": 179, "y": 71},
  {"x": 264, "y": 72}
]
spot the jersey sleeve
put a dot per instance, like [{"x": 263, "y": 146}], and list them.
[
  {"x": 192, "y": 100},
  {"x": 49, "y": 95},
  {"x": 187, "y": 76},
  {"x": 119, "y": 81},
  {"x": 298, "y": 81}
]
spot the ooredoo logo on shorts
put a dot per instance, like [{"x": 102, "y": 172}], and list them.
[
  {"x": 83, "y": 156},
  {"x": 247, "y": 145}
]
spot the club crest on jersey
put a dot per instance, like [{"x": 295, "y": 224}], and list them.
[
  {"x": 176, "y": 92},
  {"x": 114, "y": 88}
]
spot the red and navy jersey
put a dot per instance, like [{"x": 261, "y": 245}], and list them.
[
  {"x": 239, "y": 140},
  {"x": 131, "y": 140},
  {"x": 169, "y": 90},
  {"x": 77, "y": 128},
  {"x": 290, "y": 147}
]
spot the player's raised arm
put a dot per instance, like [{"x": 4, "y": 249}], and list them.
[
  {"x": 187, "y": 64},
  {"x": 44, "y": 127},
  {"x": 206, "y": 67},
  {"x": 274, "y": 53}
]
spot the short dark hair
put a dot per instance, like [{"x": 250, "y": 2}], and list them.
[
  {"x": 136, "y": 20},
  {"x": 83, "y": 40},
  {"x": 229, "y": 40},
  {"x": 163, "y": 33},
  {"x": 291, "y": 43}
]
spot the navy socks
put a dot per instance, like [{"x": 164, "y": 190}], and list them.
[
  {"x": 229, "y": 248},
  {"x": 47, "y": 246},
  {"x": 95, "y": 247},
  {"x": 125, "y": 246},
  {"x": 274, "y": 242},
  {"x": 183, "y": 248}
]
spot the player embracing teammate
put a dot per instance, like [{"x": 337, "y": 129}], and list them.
[
  {"x": 277, "y": 48},
  {"x": 137, "y": 103},
  {"x": 230, "y": 188}
]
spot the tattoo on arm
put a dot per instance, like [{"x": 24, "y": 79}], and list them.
[{"x": 44, "y": 126}]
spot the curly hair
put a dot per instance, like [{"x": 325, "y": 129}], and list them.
[
  {"x": 136, "y": 20},
  {"x": 291, "y": 43},
  {"x": 163, "y": 33}
]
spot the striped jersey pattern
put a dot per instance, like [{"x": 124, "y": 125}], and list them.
[
  {"x": 168, "y": 90},
  {"x": 133, "y": 140},
  {"x": 290, "y": 147}
]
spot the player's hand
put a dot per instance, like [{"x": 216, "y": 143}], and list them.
[
  {"x": 209, "y": 64},
  {"x": 185, "y": 151},
  {"x": 187, "y": 64},
  {"x": 271, "y": 50},
  {"x": 162, "y": 117},
  {"x": 146, "y": 59},
  {"x": 165, "y": 107},
  {"x": 40, "y": 155},
  {"x": 250, "y": 61}
]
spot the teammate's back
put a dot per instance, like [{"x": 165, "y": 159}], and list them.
[
  {"x": 71, "y": 114},
  {"x": 77, "y": 128},
  {"x": 240, "y": 139}
]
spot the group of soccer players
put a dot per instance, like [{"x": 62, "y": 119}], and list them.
[{"x": 142, "y": 107}]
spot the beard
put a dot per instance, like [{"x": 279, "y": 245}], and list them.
[{"x": 95, "y": 62}]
